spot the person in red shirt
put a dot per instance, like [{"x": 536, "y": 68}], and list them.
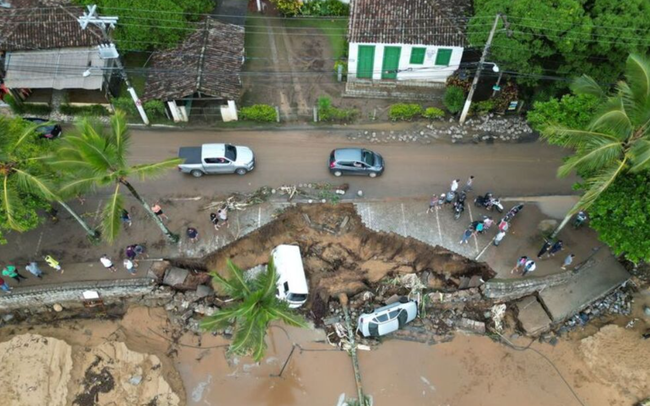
[{"x": 4, "y": 286}]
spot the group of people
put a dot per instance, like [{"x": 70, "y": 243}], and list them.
[
  {"x": 12, "y": 272},
  {"x": 218, "y": 220},
  {"x": 549, "y": 249},
  {"x": 437, "y": 201}
]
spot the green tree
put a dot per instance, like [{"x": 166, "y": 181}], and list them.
[
  {"x": 254, "y": 306},
  {"x": 454, "y": 99},
  {"x": 572, "y": 111},
  {"x": 93, "y": 158},
  {"x": 27, "y": 183},
  {"x": 146, "y": 24},
  {"x": 559, "y": 37},
  {"x": 616, "y": 141},
  {"x": 621, "y": 216}
]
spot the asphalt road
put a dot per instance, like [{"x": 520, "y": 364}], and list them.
[{"x": 293, "y": 157}]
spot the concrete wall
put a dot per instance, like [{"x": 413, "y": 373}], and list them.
[
  {"x": 510, "y": 289},
  {"x": 427, "y": 71}
]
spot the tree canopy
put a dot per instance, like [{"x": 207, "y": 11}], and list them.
[
  {"x": 621, "y": 216},
  {"x": 561, "y": 37},
  {"x": 572, "y": 111},
  {"x": 147, "y": 24}
]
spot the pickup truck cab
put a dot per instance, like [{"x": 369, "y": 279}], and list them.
[{"x": 213, "y": 159}]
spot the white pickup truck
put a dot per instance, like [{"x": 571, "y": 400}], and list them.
[{"x": 210, "y": 159}]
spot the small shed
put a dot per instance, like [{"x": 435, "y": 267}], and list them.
[
  {"x": 44, "y": 50},
  {"x": 419, "y": 42},
  {"x": 201, "y": 73}
]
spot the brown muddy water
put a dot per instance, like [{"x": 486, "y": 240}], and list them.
[{"x": 469, "y": 370}]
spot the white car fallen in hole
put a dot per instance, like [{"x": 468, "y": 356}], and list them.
[{"x": 387, "y": 319}]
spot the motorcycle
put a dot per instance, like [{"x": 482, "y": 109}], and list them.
[
  {"x": 580, "y": 219},
  {"x": 459, "y": 205},
  {"x": 488, "y": 201}
]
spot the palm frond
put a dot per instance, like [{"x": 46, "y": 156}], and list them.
[
  {"x": 640, "y": 155},
  {"x": 220, "y": 320},
  {"x": 84, "y": 183},
  {"x": 637, "y": 75},
  {"x": 286, "y": 315},
  {"x": 572, "y": 138},
  {"x": 111, "y": 215},
  {"x": 10, "y": 203},
  {"x": 249, "y": 333},
  {"x": 612, "y": 118},
  {"x": 34, "y": 184},
  {"x": 229, "y": 289},
  {"x": 266, "y": 281},
  {"x": 237, "y": 278},
  {"x": 120, "y": 136},
  {"x": 595, "y": 154},
  {"x": 598, "y": 184},
  {"x": 28, "y": 132},
  {"x": 93, "y": 151},
  {"x": 587, "y": 85},
  {"x": 154, "y": 170}
]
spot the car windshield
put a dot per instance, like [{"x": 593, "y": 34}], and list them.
[
  {"x": 297, "y": 297},
  {"x": 231, "y": 152},
  {"x": 368, "y": 157}
]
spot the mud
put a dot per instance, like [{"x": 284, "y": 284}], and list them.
[{"x": 341, "y": 255}]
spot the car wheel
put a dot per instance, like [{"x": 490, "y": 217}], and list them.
[
  {"x": 241, "y": 171},
  {"x": 337, "y": 173},
  {"x": 196, "y": 174},
  {"x": 373, "y": 174}
]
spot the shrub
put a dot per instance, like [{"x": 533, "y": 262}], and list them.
[
  {"x": 288, "y": 8},
  {"x": 125, "y": 104},
  {"x": 433, "y": 113},
  {"x": 23, "y": 108},
  {"x": 154, "y": 108},
  {"x": 326, "y": 112},
  {"x": 483, "y": 107},
  {"x": 325, "y": 8},
  {"x": 93, "y": 110},
  {"x": 258, "y": 112},
  {"x": 343, "y": 63},
  {"x": 454, "y": 99},
  {"x": 404, "y": 112}
]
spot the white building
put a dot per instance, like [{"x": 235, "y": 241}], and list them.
[{"x": 406, "y": 42}]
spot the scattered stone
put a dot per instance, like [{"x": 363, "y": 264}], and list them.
[
  {"x": 472, "y": 326},
  {"x": 360, "y": 193},
  {"x": 135, "y": 380},
  {"x": 7, "y": 317},
  {"x": 57, "y": 308},
  {"x": 646, "y": 310},
  {"x": 393, "y": 299},
  {"x": 203, "y": 291}
]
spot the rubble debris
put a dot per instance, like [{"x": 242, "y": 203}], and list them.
[
  {"x": 498, "y": 313},
  {"x": 472, "y": 326},
  {"x": 619, "y": 302}
]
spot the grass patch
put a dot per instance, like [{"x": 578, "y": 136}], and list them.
[
  {"x": 335, "y": 30},
  {"x": 135, "y": 60}
]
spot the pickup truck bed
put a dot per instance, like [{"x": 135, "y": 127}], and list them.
[{"x": 191, "y": 155}]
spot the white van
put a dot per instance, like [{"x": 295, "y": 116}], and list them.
[{"x": 292, "y": 283}]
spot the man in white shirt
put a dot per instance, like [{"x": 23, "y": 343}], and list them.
[{"x": 108, "y": 264}]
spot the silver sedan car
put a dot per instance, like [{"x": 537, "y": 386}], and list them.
[
  {"x": 356, "y": 161},
  {"x": 387, "y": 319}
]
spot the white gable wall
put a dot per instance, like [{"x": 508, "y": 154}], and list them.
[{"x": 427, "y": 71}]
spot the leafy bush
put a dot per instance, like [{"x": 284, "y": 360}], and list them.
[
  {"x": 483, "y": 107},
  {"x": 125, "y": 104},
  {"x": 325, "y": 8},
  {"x": 343, "y": 63},
  {"x": 23, "y": 108},
  {"x": 326, "y": 112},
  {"x": 288, "y": 8},
  {"x": 509, "y": 92},
  {"x": 433, "y": 113},
  {"x": 93, "y": 110},
  {"x": 464, "y": 84},
  {"x": 404, "y": 112},
  {"x": 454, "y": 99},
  {"x": 154, "y": 109},
  {"x": 258, "y": 112},
  {"x": 573, "y": 111}
]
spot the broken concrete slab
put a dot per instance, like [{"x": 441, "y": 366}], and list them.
[
  {"x": 472, "y": 326},
  {"x": 175, "y": 276},
  {"x": 532, "y": 316},
  {"x": 203, "y": 291}
]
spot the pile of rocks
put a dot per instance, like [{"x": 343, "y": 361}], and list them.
[
  {"x": 186, "y": 309},
  {"x": 618, "y": 302},
  {"x": 376, "y": 137}
]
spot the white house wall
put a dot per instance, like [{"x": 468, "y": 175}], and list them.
[{"x": 427, "y": 71}]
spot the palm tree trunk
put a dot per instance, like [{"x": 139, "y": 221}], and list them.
[
  {"x": 564, "y": 222},
  {"x": 170, "y": 236},
  {"x": 93, "y": 234}
]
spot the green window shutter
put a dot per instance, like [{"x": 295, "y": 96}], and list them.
[
  {"x": 417, "y": 56},
  {"x": 443, "y": 57}
]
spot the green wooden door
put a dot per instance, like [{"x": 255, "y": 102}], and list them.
[
  {"x": 366, "y": 61},
  {"x": 391, "y": 62}
]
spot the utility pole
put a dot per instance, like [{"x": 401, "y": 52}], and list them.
[
  {"x": 486, "y": 49},
  {"x": 91, "y": 17}
]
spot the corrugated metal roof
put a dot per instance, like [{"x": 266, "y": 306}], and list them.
[
  {"x": 425, "y": 22},
  {"x": 54, "y": 69}
]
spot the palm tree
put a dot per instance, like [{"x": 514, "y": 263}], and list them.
[
  {"x": 254, "y": 306},
  {"x": 93, "y": 158},
  {"x": 616, "y": 141},
  {"x": 24, "y": 175}
]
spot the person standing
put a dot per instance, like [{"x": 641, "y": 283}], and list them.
[
  {"x": 521, "y": 262},
  {"x": 529, "y": 267},
  {"x": 140, "y": 250},
  {"x": 126, "y": 218},
  {"x": 108, "y": 264},
  {"x": 192, "y": 234},
  {"x": 433, "y": 204},
  {"x": 466, "y": 235},
  {"x": 503, "y": 225},
  {"x": 468, "y": 185},
  {"x": 487, "y": 223},
  {"x": 545, "y": 248},
  {"x": 53, "y": 263},
  {"x": 557, "y": 247},
  {"x": 4, "y": 286},
  {"x": 33, "y": 268},
  {"x": 130, "y": 266},
  {"x": 12, "y": 273},
  {"x": 454, "y": 185},
  {"x": 130, "y": 252},
  {"x": 223, "y": 217},
  {"x": 158, "y": 211},
  {"x": 499, "y": 237},
  {"x": 214, "y": 219},
  {"x": 568, "y": 261}
]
